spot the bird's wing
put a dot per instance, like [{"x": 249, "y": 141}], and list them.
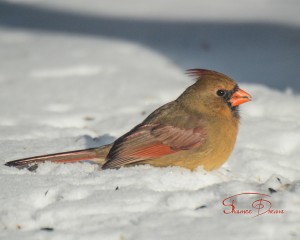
[{"x": 152, "y": 141}]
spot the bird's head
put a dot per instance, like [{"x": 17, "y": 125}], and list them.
[{"x": 214, "y": 92}]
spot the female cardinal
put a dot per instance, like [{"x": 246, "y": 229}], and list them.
[{"x": 199, "y": 128}]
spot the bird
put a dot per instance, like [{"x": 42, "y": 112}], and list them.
[{"x": 198, "y": 129}]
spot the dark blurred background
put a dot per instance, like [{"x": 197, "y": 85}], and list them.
[{"x": 255, "y": 50}]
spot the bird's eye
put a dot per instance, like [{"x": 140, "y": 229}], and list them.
[{"x": 221, "y": 93}]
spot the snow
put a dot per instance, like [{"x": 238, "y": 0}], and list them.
[{"x": 76, "y": 75}]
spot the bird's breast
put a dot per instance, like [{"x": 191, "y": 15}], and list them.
[
  {"x": 221, "y": 138},
  {"x": 215, "y": 150}
]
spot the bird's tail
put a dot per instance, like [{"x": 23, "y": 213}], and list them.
[{"x": 95, "y": 155}]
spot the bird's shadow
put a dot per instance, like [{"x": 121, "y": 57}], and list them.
[
  {"x": 98, "y": 141},
  {"x": 249, "y": 52}
]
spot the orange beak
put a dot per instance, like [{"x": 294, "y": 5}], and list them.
[{"x": 240, "y": 97}]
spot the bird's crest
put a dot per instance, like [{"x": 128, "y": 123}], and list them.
[{"x": 196, "y": 72}]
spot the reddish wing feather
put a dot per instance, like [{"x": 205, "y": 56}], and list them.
[{"x": 152, "y": 141}]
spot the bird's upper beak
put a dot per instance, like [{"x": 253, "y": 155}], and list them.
[{"x": 240, "y": 97}]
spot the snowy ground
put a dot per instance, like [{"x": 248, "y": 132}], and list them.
[{"x": 79, "y": 74}]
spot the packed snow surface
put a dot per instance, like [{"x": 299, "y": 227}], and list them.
[{"x": 66, "y": 86}]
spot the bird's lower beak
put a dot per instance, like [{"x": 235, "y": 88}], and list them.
[{"x": 240, "y": 97}]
